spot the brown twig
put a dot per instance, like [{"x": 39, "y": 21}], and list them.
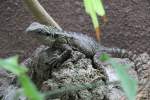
[{"x": 40, "y": 13}]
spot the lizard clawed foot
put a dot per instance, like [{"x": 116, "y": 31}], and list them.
[{"x": 57, "y": 60}]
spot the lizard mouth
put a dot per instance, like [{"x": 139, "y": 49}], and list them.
[
  {"x": 35, "y": 35},
  {"x": 48, "y": 41}
]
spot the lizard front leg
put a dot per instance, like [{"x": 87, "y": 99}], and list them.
[{"x": 59, "y": 58}]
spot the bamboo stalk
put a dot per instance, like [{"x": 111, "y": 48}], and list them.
[{"x": 40, "y": 13}]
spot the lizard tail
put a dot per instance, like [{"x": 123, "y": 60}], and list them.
[
  {"x": 122, "y": 53},
  {"x": 143, "y": 79}
]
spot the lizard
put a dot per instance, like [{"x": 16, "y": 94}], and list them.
[
  {"x": 63, "y": 42},
  {"x": 66, "y": 41}
]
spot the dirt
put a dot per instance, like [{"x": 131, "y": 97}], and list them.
[{"x": 128, "y": 26}]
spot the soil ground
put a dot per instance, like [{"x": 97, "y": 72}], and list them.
[{"x": 128, "y": 27}]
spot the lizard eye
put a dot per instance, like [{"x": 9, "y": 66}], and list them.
[
  {"x": 56, "y": 36},
  {"x": 47, "y": 34},
  {"x": 41, "y": 32}
]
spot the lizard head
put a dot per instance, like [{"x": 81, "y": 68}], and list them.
[{"x": 45, "y": 34}]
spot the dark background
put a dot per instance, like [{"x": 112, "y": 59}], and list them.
[{"x": 128, "y": 27}]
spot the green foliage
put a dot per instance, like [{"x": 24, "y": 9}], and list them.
[
  {"x": 104, "y": 57},
  {"x": 11, "y": 64},
  {"x": 127, "y": 82},
  {"x": 94, "y": 7}
]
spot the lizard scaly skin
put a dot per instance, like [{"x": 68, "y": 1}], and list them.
[{"x": 53, "y": 37}]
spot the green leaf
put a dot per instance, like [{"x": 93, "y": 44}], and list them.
[
  {"x": 11, "y": 65},
  {"x": 30, "y": 89},
  {"x": 88, "y": 6},
  {"x": 94, "y": 20},
  {"x": 104, "y": 57},
  {"x": 94, "y": 7},
  {"x": 98, "y": 7},
  {"x": 129, "y": 84},
  {"x": 90, "y": 10}
]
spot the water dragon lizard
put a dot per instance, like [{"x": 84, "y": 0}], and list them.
[{"x": 67, "y": 41}]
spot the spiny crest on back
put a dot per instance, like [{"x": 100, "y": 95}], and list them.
[{"x": 86, "y": 42}]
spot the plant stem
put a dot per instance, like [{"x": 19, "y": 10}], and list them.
[{"x": 40, "y": 13}]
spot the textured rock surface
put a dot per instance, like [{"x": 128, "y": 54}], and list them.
[
  {"x": 77, "y": 70},
  {"x": 144, "y": 77}
]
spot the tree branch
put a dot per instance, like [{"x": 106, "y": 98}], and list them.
[{"x": 40, "y": 13}]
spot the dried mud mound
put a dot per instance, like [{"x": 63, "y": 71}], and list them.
[{"x": 73, "y": 72}]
